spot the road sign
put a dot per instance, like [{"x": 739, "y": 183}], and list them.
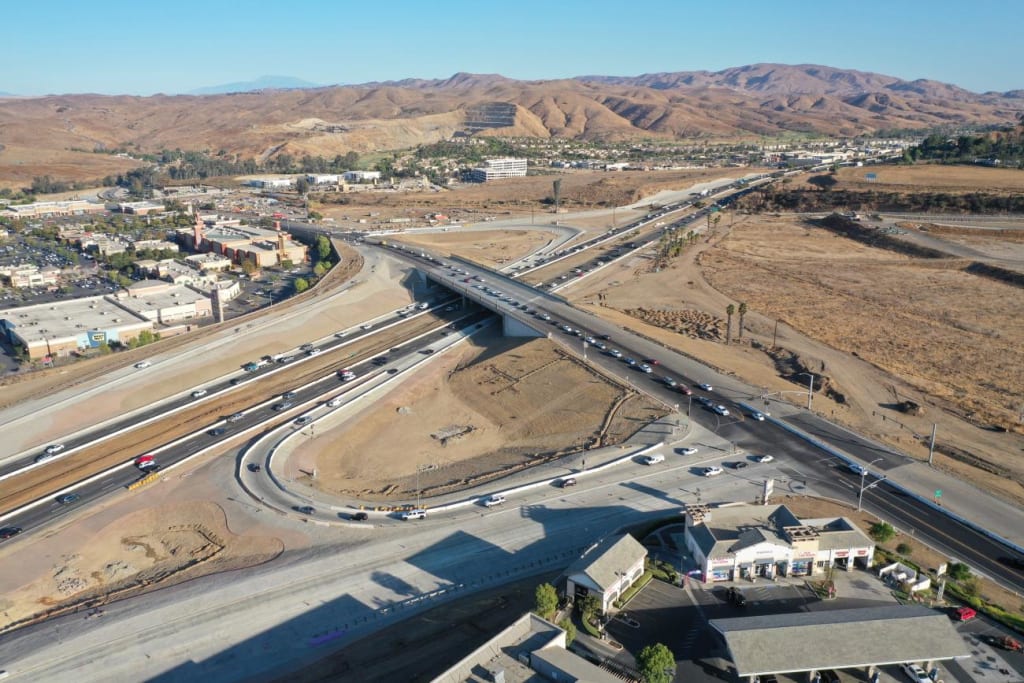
[{"x": 938, "y": 493}]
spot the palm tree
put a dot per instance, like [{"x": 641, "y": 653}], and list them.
[
  {"x": 729, "y": 311},
  {"x": 743, "y": 312}
]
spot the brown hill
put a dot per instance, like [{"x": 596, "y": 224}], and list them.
[{"x": 760, "y": 99}]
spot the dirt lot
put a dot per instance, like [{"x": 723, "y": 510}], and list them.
[
  {"x": 491, "y": 248},
  {"x": 855, "y": 314},
  {"x": 476, "y": 413},
  {"x": 927, "y": 178},
  {"x": 581, "y": 190}
]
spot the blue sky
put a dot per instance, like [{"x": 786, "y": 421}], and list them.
[{"x": 143, "y": 47}]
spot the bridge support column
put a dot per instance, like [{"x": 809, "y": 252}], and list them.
[{"x": 510, "y": 327}]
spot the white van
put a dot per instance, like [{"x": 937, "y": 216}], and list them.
[{"x": 654, "y": 459}]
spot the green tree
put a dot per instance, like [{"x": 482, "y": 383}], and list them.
[
  {"x": 905, "y": 549},
  {"x": 743, "y": 311},
  {"x": 958, "y": 571},
  {"x": 570, "y": 630},
  {"x": 301, "y": 285},
  {"x": 545, "y": 600},
  {"x": 882, "y": 532},
  {"x": 656, "y": 663},
  {"x": 590, "y": 606},
  {"x": 301, "y": 186},
  {"x": 323, "y": 247},
  {"x": 730, "y": 310},
  {"x": 319, "y": 269},
  {"x": 286, "y": 264},
  {"x": 146, "y": 337}
]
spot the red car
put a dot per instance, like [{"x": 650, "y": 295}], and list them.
[
  {"x": 651, "y": 361},
  {"x": 964, "y": 614},
  {"x": 683, "y": 389}
]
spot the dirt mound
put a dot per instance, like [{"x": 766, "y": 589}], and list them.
[
  {"x": 796, "y": 367},
  {"x": 691, "y": 322}
]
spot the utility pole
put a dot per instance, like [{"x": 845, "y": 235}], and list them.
[
  {"x": 931, "y": 445},
  {"x": 775, "y": 335}
]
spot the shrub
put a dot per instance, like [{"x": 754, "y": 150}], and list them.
[
  {"x": 545, "y": 600},
  {"x": 904, "y": 549},
  {"x": 958, "y": 571},
  {"x": 882, "y": 532}
]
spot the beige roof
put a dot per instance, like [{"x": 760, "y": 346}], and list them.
[{"x": 603, "y": 563}]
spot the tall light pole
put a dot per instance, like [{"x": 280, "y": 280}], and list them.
[
  {"x": 810, "y": 388},
  {"x": 863, "y": 474}
]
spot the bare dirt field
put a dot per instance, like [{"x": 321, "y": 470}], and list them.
[
  {"x": 491, "y": 248},
  {"x": 581, "y": 190},
  {"x": 474, "y": 414},
  {"x": 927, "y": 178},
  {"x": 20, "y": 163},
  {"x": 855, "y": 315},
  {"x": 160, "y": 545}
]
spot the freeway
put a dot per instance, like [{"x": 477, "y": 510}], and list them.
[
  {"x": 100, "y": 463},
  {"x": 969, "y": 543}
]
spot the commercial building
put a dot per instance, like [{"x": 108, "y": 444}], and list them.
[
  {"x": 498, "y": 168},
  {"x": 243, "y": 244},
  {"x": 141, "y": 208},
  {"x": 74, "y": 207},
  {"x": 30, "y": 275},
  {"x": 606, "y": 570},
  {"x": 154, "y": 245},
  {"x": 361, "y": 176},
  {"x": 531, "y": 649},
  {"x": 60, "y": 329},
  {"x": 209, "y": 262},
  {"x": 272, "y": 183},
  {"x": 164, "y": 303},
  {"x": 177, "y": 273},
  {"x": 323, "y": 178},
  {"x": 740, "y": 541}
]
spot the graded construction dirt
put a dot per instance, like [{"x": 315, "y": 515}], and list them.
[
  {"x": 925, "y": 178},
  {"x": 475, "y": 413},
  {"x": 491, "y": 248}
]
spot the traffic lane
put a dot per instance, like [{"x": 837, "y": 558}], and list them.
[
  {"x": 958, "y": 541},
  {"x": 847, "y": 441}
]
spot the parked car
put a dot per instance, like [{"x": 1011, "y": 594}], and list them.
[
  {"x": 915, "y": 673},
  {"x": 496, "y": 499},
  {"x": 739, "y": 464}
]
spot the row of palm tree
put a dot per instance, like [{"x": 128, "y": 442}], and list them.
[{"x": 730, "y": 311}]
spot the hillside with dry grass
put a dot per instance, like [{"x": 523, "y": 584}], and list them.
[{"x": 764, "y": 99}]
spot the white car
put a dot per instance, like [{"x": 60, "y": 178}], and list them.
[
  {"x": 916, "y": 673},
  {"x": 54, "y": 449},
  {"x": 721, "y": 410},
  {"x": 705, "y": 386},
  {"x": 334, "y": 402},
  {"x": 199, "y": 393},
  {"x": 366, "y": 326},
  {"x": 496, "y": 499},
  {"x": 712, "y": 471},
  {"x": 645, "y": 368},
  {"x": 313, "y": 352},
  {"x": 688, "y": 450},
  {"x": 856, "y": 469},
  {"x": 757, "y": 415},
  {"x": 654, "y": 459},
  {"x": 414, "y": 514},
  {"x": 142, "y": 364},
  {"x": 764, "y": 458}
]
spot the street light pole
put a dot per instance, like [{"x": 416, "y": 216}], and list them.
[
  {"x": 863, "y": 474},
  {"x": 810, "y": 388}
]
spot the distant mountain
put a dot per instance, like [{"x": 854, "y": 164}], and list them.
[
  {"x": 7, "y": 94},
  {"x": 275, "y": 115},
  {"x": 261, "y": 83}
]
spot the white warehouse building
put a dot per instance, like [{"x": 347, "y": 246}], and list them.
[{"x": 498, "y": 168}]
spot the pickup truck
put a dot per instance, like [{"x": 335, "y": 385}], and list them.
[
  {"x": 255, "y": 365},
  {"x": 496, "y": 499}
]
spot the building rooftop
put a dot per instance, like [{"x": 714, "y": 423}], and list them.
[
  {"x": 172, "y": 295},
  {"x": 67, "y": 319},
  {"x": 607, "y": 559},
  {"x": 837, "y": 639}
]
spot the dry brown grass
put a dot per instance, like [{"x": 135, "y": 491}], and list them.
[
  {"x": 881, "y": 306},
  {"x": 928, "y": 178},
  {"x": 491, "y": 248}
]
